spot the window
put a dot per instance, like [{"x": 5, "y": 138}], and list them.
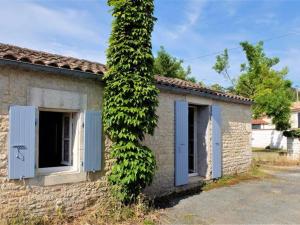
[
  {"x": 55, "y": 139},
  {"x": 192, "y": 140},
  {"x": 256, "y": 126}
]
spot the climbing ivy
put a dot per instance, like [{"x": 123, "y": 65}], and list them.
[{"x": 130, "y": 96}]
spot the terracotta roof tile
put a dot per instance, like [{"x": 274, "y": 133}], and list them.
[
  {"x": 258, "y": 121},
  {"x": 295, "y": 106},
  {"x": 48, "y": 59},
  {"x": 175, "y": 82},
  {"x": 11, "y": 52}
]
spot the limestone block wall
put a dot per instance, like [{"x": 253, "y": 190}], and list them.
[
  {"x": 30, "y": 195},
  {"x": 293, "y": 148},
  {"x": 15, "y": 86},
  {"x": 236, "y": 137},
  {"x": 162, "y": 143},
  {"x": 236, "y": 140}
]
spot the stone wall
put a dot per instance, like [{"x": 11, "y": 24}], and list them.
[
  {"x": 73, "y": 197},
  {"x": 236, "y": 137},
  {"x": 30, "y": 195},
  {"x": 236, "y": 140},
  {"x": 293, "y": 148}
]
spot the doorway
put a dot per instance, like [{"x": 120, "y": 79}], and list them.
[{"x": 192, "y": 141}]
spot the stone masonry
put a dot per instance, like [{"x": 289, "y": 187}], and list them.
[
  {"x": 21, "y": 196},
  {"x": 74, "y": 197}
]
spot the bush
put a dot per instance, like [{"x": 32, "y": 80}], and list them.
[
  {"x": 292, "y": 133},
  {"x": 130, "y": 96},
  {"x": 133, "y": 170}
]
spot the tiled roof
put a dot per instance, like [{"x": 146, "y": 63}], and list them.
[
  {"x": 43, "y": 58},
  {"x": 10, "y": 52},
  {"x": 258, "y": 121},
  {"x": 175, "y": 82},
  {"x": 295, "y": 107}
]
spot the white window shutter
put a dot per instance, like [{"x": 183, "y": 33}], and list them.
[{"x": 21, "y": 157}]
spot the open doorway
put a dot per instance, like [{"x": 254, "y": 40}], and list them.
[
  {"x": 198, "y": 120},
  {"x": 55, "y": 139},
  {"x": 192, "y": 147}
]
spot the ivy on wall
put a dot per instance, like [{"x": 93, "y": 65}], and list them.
[{"x": 130, "y": 96}]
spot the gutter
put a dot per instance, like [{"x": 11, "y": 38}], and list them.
[{"x": 98, "y": 78}]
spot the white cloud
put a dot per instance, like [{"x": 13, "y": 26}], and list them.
[
  {"x": 59, "y": 30},
  {"x": 191, "y": 15}
]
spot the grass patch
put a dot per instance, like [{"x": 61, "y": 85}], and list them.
[
  {"x": 274, "y": 159},
  {"x": 108, "y": 211},
  {"x": 254, "y": 173},
  {"x": 267, "y": 150},
  {"x": 113, "y": 212}
]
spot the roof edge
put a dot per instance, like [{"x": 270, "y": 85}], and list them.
[
  {"x": 202, "y": 94},
  {"x": 98, "y": 77},
  {"x": 51, "y": 69}
]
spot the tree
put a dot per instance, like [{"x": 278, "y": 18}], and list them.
[
  {"x": 130, "y": 97},
  {"x": 222, "y": 65},
  {"x": 217, "y": 87},
  {"x": 169, "y": 66},
  {"x": 269, "y": 88}
]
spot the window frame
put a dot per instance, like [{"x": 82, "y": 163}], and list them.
[{"x": 70, "y": 139}]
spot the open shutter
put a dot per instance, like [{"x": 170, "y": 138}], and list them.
[
  {"x": 21, "y": 157},
  {"x": 216, "y": 142},
  {"x": 92, "y": 141},
  {"x": 181, "y": 143}
]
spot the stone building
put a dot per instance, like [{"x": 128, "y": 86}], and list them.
[
  {"x": 52, "y": 149},
  {"x": 265, "y": 135}
]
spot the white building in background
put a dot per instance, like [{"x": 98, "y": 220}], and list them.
[{"x": 264, "y": 133}]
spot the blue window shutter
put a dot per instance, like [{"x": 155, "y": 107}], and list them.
[
  {"x": 216, "y": 142},
  {"x": 181, "y": 143},
  {"x": 92, "y": 141},
  {"x": 21, "y": 157}
]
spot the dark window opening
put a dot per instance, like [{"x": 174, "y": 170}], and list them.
[
  {"x": 55, "y": 139},
  {"x": 192, "y": 148},
  {"x": 256, "y": 126}
]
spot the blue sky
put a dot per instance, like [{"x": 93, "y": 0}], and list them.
[{"x": 192, "y": 30}]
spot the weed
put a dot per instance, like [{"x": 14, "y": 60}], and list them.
[{"x": 253, "y": 173}]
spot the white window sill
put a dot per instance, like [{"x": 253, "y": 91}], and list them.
[
  {"x": 56, "y": 170},
  {"x": 193, "y": 174},
  {"x": 44, "y": 178}
]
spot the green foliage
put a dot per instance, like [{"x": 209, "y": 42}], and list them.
[
  {"x": 292, "y": 133},
  {"x": 268, "y": 88},
  {"x": 130, "y": 97},
  {"x": 169, "y": 66},
  {"x": 132, "y": 171},
  {"x": 222, "y": 65},
  {"x": 217, "y": 87}
]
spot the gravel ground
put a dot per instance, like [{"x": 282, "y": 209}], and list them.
[{"x": 270, "y": 201}]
